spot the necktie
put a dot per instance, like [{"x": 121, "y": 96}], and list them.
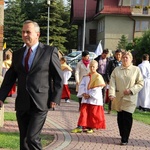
[{"x": 27, "y": 59}]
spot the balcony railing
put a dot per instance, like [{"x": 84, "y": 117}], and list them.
[{"x": 140, "y": 10}]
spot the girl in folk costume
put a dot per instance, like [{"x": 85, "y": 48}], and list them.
[
  {"x": 5, "y": 66},
  {"x": 91, "y": 112},
  {"x": 66, "y": 75}
]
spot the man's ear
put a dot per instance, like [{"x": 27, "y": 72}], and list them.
[{"x": 38, "y": 34}]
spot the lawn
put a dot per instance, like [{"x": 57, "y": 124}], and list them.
[{"x": 10, "y": 140}]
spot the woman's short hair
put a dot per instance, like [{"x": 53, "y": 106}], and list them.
[{"x": 127, "y": 53}]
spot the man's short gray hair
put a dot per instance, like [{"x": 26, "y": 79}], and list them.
[{"x": 37, "y": 27}]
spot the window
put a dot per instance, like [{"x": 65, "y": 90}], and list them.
[
  {"x": 144, "y": 25},
  {"x": 101, "y": 5},
  {"x": 101, "y": 26},
  {"x": 135, "y": 2},
  {"x": 145, "y": 2},
  {"x": 137, "y": 26},
  {"x": 139, "y": 2},
  {"x": 141, "y": 25}
]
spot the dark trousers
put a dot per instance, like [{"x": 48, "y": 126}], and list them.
[
  {"x": 79, "y": 99},
  {"x": 109, "y": 105},
  {"x": 30, "y": 124},
  {"x": 124, "y": 120}
]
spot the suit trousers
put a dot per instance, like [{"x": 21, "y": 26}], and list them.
[
  {"x": 30, "y": 125},
  {"x": 125, "y": 121}
]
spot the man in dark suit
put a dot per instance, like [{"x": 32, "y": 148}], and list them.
[{"x": 39, "y": 85}]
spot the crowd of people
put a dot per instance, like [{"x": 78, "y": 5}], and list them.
[
  {"x": 117, "y": 82},
  {"x": 42, "y": 81}
]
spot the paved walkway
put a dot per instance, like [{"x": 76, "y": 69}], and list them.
[{"x": 64, "y": 118}]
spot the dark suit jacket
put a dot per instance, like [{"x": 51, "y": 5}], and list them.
[{"x": 43, "y": 83}]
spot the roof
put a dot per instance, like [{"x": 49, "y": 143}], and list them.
[
  {"x": 110, "y": 7},
  {"x": 77, "y": 10}
]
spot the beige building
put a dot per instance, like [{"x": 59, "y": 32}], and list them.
[{"x": 108, "y": 20}]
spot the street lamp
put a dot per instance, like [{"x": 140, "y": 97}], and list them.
[
  {"x": 84, "y": 25},
  {"x": 48, "y": 3}
]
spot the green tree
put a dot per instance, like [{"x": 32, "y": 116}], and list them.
[
  {"x": 142, "y": 46},
  {"x": 13, "y": 24},
  {"x": 122, "y": 42},
  {"x": 39, "y": 13},
  {"x": 62, "y": 34},
  {"x": 58, "y": 30},
  {"x": 71, "y": 35}
]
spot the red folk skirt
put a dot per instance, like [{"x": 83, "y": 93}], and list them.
[
  {"x": 92, "y": 116},
  {"x": 65, "y": 92},
  {"x": 13, "y": 90},
  {"x": 107, "y": 100}
]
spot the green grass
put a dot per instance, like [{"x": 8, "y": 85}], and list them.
[
  {"x": 74, "y": 97},
  {"x": 137, "y": 115},
  {"x": 9, "y": 116},
  {"x": 6, "y": 102},
  {"x": 142, "y": 116},
  {"x": 9, "y": 140}
]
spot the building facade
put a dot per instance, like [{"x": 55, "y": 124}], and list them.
[{"x": 111, "y": 19}]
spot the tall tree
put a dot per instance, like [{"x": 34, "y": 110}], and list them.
[
  {"x": 71, "y": 35},
  {"x": 122, "y": 42},
  {"x": 62, "y": 34},
  {"x": 57, "y": 29},
  {"x": 13, "y": 24},
  {"x": 39, "y": 12}
]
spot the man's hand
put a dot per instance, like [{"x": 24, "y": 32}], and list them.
[
  {"x": 1, "y": 103},
  {"x": 52, "y": 104}
]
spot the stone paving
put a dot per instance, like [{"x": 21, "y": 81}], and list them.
[{"x": 60, "y": 122}]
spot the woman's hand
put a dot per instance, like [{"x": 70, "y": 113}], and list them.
[
  {"x": 111, "y": 98},
  {"x": 127, "y": 92}
]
